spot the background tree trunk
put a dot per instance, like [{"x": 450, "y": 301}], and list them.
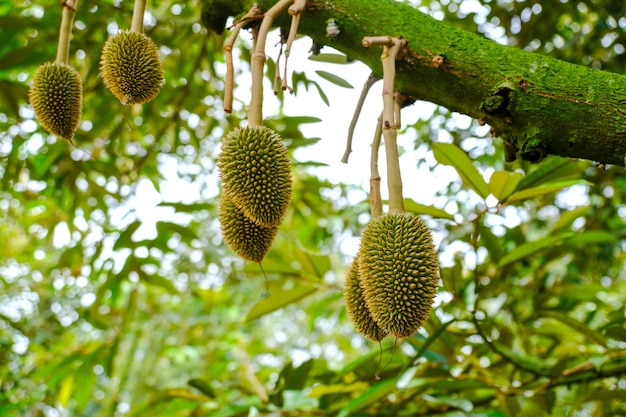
[{"x": 538, "y": 105}]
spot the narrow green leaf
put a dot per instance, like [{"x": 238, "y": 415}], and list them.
[
  {"x": 550, "y": 170},
  {"x": 450, "y": 154},
  {"x": 186, "y": 208},
  {"x": 503, "y": 183},
  {"x": 543, "y": 189},
  {"x": 279, "y": 300},
  {"x": 437, "y": 213},
  {"x": 124, "y": 240},
  {"x": 580, "y": 327},
  {"x": 328, "y": 76},
  {"x": 310, "y": 264},
  {"x": 458, "y": 403},
  {"x": 530, "y": 248},
  {"x": 322, "y": 94},
  {"x": 330, "y": 58},
  {"x": 159, "y": 281},
  {"x": 169, "y": 228},
  {"x": 319, "y": 390},
  {"x": 616, "y": 331},
  {"x": 594, "y": 237},
  {"x": 372, "y": 395},
  {"x": 523, "y": 361}
]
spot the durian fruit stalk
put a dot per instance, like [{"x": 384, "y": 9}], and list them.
[
  {"x": 398, "y": 271},
  {"x": 56, "y": 92},
  {"x": 246, "y": 238},
  {"x": 357, "y": 308},
  {"x": 256, "y": 173},
  {"x": 130, "y": 64}
]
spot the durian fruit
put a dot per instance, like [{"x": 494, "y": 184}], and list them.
[
  {"x": 356, "y": 307},
  {"x": 399, "y": 272},
  {"x": 256, "y": 173},
  {"x": 246, "y": 238},
  {"x": 56, "y": 95},
  {"x": 131, "y": 68}
]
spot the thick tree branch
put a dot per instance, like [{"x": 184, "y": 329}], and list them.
[{"x": 538, "y": 105}]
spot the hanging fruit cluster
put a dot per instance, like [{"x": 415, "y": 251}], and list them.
[
  {"x": 393, "y": 280},
  {"x": 129, "y": 64},
  {"x": 254, "y": 163}
]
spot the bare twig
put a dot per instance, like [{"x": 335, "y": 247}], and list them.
[{"x": 371, "y": 80}]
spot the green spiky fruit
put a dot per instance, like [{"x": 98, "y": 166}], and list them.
[
  {"x": 256, "y": 173},
  {"x": 131, "y": 68},
  {"x": 356, "y": 307},
  {"x": 56, "y": 95},
  {"x": 399, "y": 272},
  {"x": 246, "y": 238}
]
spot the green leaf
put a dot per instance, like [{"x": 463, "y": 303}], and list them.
[
  {"x": 616, "y": 331},
  {"x": 530, "y": 248},
  {"x": 186, "y": 208},
  {"x": 529, "y": 193},
  {"x": 580, "y": 327},
  {"x": 450, "y": 154},
  {"x": 310, "y": 264},
  {"x": 320, "y": 390},
  {"x": 277, "y": 301},
  {"x": 372, "y": 395},
  {"x": 328, "y": 76},
  {"x": 169, "y": 228},
  {"x": 594, "y": 237},
  {"x": 524, "y": 361},
  {"x": 550, "y": 170},
  {"x": 503, "y": 183},
  {"x": 330, "y": 58},
  {"x": 437, "y": 213},
  {"x": 458, "y": 403},
  {"x": 125, "y": 238},
  {"x": 159, "y": 281}
]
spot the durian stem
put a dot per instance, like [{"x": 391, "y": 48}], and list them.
[
  {"x": 392, "y": 47},
  {"x": 229, "y": 86},
  {"x": 376, "y": 201},
  {"x": 295, "y": 11},
  {"x": 65, "y": 33},
  {"x": 255, "y": 109},
  {"x": 138, "y": 14},
  {"x": 371, "y": 80}
]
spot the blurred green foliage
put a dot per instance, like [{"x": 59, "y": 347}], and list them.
[{"x": 111, "y": 309}]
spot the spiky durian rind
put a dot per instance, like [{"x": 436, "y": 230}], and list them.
[
  {"x": 131, "y": 68},
  {"x": 246, "y": 238},
  {"x": 399, "y": 272},
  {"x": 357, "y": 308},
  {"x": 256, "y": 173},
  {"x": 56, "y": 95}
]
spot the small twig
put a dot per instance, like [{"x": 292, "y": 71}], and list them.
[
  {"x": 277, "y": 77},
  {"x": 371, "y": 80},
  {"x": 229, "y": 82},
  {"x": 376, "y": 201},
  {"x": 295, "y": 10}
]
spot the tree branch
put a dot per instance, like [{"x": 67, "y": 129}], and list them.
[{"x": 538, "y": 105}]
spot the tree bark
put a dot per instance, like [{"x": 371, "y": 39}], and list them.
[{"x": 538, "y": 105}]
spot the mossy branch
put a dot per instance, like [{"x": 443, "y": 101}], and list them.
[
  {"x": 65, "y": 33},
  {"x": 538, "y": 105}
]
